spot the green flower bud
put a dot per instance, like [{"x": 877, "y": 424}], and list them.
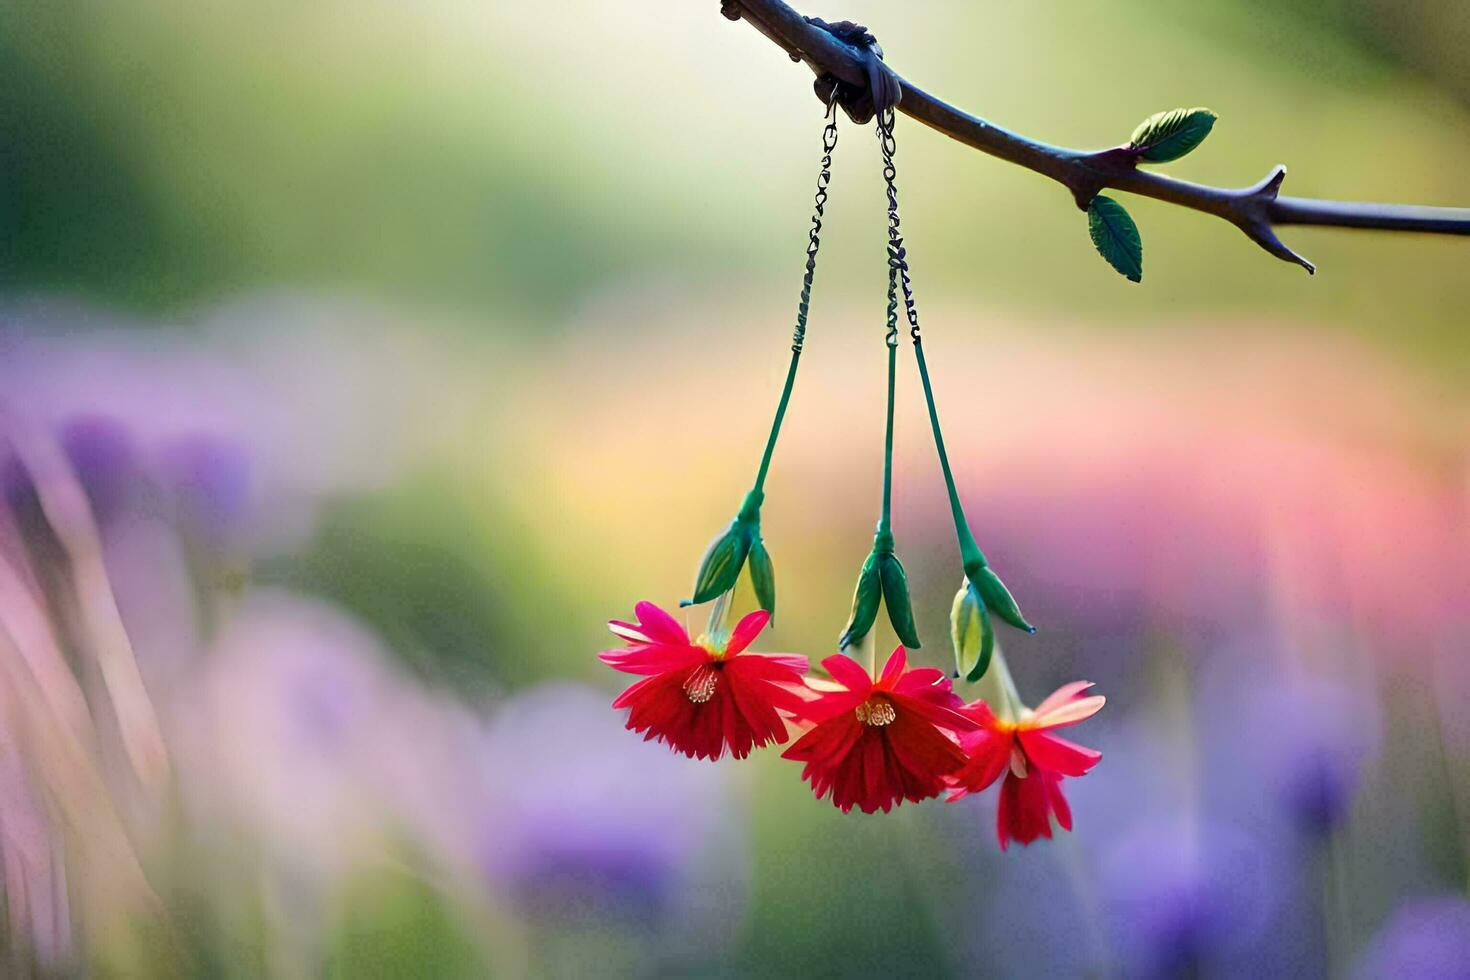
[
  {"x": 722, "y": 562},
  {"x": 896, "y": 601},
  {"x": 971, "y": 631},
  {"x": 997, "y": 597},
  {"x": 763, "y": 576},
  {"x": 864, "y": 602}
]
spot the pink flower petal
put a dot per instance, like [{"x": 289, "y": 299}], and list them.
[
  {"x": 1066, "y": 714},
  {"x": 898, "y": 662},
  {"x": 1062, "y": 695},
  {"x": 746, "y": 631},
  {"x": 847, "y": 672},
  {"x": 935, "y": 713},
  {"x": 659, "y": 625},
  {"x": 791, "y": 661},
  {"x": 628, "y": 631},
  {"x": 653, "y": 658},
  {"x": 1055, "y": 753}
]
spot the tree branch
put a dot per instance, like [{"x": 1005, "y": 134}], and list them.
[{"x": 1255, "y": 210}]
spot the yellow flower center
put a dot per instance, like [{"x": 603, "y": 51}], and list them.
[
  {"x": 715, "y": 650},
  {"x": 876, "y": 712}
]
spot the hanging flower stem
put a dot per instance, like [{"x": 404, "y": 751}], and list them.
[
  {"x": 727, "y": 554},
  {"x": 798, "y": 335},
  {"x": 970, "y": 553},
  {"x": 998, "y": 689},
  {"x": 885, "y": 524}
]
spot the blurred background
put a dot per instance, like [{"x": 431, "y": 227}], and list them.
[{"x": 359, "y": 360}]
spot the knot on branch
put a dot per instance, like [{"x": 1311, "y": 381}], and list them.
[
  {"x": 861, "y": 103},
  {"x": 1254, "y": 217}
]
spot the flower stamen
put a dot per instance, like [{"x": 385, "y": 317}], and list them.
[
  {"x": 700, "y": 687},
  {"x": 876, "y": 713}
]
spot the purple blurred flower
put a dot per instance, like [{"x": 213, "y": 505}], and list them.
[
  {"x": 1181, "y": 893},
  {"x": 1289, "y": 748},
  {"x": 209, "y": 480},
  {"x": 1426, "y": 939},
  {"x": 591, "y": 816},
  {"x": 101, "y": 452}
]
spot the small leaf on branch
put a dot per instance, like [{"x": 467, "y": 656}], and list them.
[
  {"x": 1166, "y": 136},
  {"x": 1116, "y": 236}
]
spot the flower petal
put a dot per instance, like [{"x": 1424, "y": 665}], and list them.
[
  {"x": 1062, "y": 695},
  {"x": 1058, "y": 802},
  {"x": 791, "y": 661},
  {"x": 981, "y": 712},
  {"x": 1025, "y": 809},
  {"x": 990, "y": 753},
  {"x": 746, "y": 631},
  {"x": 659, "y": 625},
  {"x": 848, "y": 672},
  {"x": 1066, "y": 714},
  {"x": 1052, "y": 752},
  {"x": 628, "y": 631},
  {"x": 653, "y": 658},
  {"x": 898, "y": 663},
  {"x": 929, "y": 683},
  {"x": 936, "y": 712}
]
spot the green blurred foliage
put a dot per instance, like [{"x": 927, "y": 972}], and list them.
[
  {"x": 456, "y": 588},
  {"x": 397, "y": 925},
  {"x": 496, "y": 158}
]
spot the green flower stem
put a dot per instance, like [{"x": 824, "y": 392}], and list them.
[
  {"x": 719, "y": 614},
  {"x": 867, "y": 651},
  {"x": 884, "y": 522},
  {"x": 998, "y": 689},
  {"x": 970, "y": 553},
  {"x": 760, "y": 477},
  {"x": 798, "y": 335}
]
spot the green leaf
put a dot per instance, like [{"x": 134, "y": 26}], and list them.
[
  {"x": 864, "y": 603},
  {"x": 763, "y": 576},
  {"x": 721, "y": 564},
  {"x": 1116, "y": 236},
  {"x": 998, "y": 599},
  {"x": 896, "y": 600},
  {"x": 971, "y": 633},
  {"x": 1166, "y": 136}
]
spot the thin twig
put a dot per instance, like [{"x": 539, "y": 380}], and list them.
[{"x": 1255, "y": 210}]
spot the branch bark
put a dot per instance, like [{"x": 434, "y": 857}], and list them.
[{"x": 1255, "y": 210}]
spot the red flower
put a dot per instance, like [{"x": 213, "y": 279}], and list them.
[
  {"x": 699, "y": 699},
  {"x": 1033, "y": 759},
  {"x": 877, "y": 743}
]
